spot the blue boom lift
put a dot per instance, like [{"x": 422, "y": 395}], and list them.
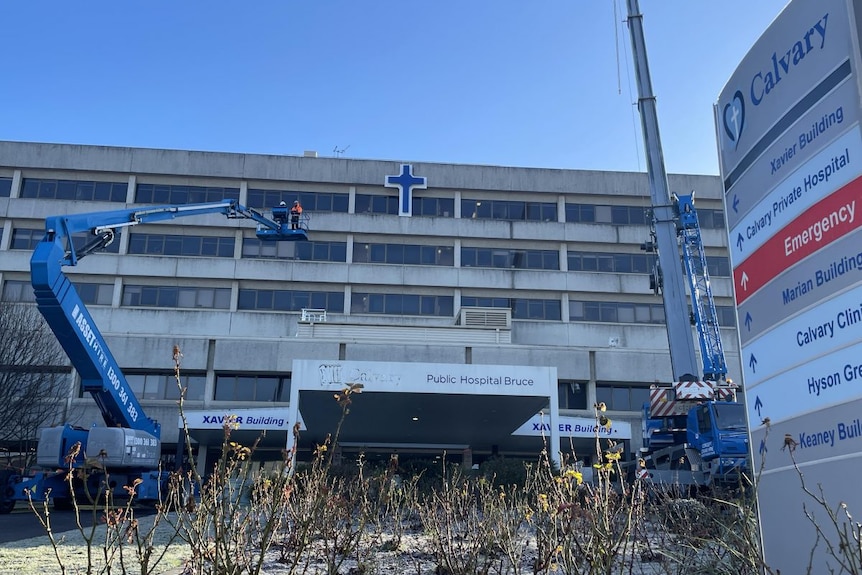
[{"x": 128, "y": 447}]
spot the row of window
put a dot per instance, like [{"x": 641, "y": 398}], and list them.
[
  {"x": 624, "y": 312},
  {"x": 404, "y": 254},
  {"x": 165, "y": 385},
  {"x": 616, "y": 396},
  {"x": 402, "y": 304},
  {"x": 175, "y": 245},
  {"x": 510, "y": 259},
  {"x": 627, "y": 215},
  {"x": 368, "y": 303},
  {"x": 717, "y": 266},
  {"x": 228, "y": 387},
  {"x": 522, "y": 308},
  {"x": 307, "y": 251},
  {"x": 311, "y": 201},
  {"x": 171, "y": 194},
  {"x": 290, "y": 300},
  {"x": 511, "y": 210},
  {"x": 411, "y": 254},
  {"x": 77, "y": 190}
]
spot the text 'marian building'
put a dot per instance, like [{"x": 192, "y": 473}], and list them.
[{"x": 484, "y": 309}]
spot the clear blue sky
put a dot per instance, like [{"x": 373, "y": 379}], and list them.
[{"x": 539, "y": 83}]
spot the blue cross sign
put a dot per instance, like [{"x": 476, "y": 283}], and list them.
[{"x": 405, "y": 182}]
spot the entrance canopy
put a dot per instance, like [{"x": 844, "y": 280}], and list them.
[{"x": 422, "y": 405}]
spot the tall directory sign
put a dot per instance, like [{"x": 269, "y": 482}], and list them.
[{"x": 790, "y": 151}]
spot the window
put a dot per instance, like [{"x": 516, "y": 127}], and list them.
[
  {"x": 178, "y": 297},
  {"x": 710, "y": 219},
  {"x": 718, "y": 266},
  {"x": 532, "y": 309},
  {"x": 726, "y": 316},
  {"x": 250, "y": 387},
  {"x": 5, "y": 187},
  {"x": 20, "y": 291},
  {"x": 174, "y": 245},
  {"x": 441, "y": 207},
  {"x": 290, "y": 300},
  {"x": 402, "y": 304},
  {"x": 164, "y": 385},
  {"x": 510, "y": 259},
  {"x": 311, "y": 201},
  {"x": 403, "y": 254},
  {"x": 367, "y": 204},
  {"x": 95, "y": 294},
  {"x": 74, "y": 190},
  {"x": 509, "y": 210},
  {"x": 572, "y": 394},
  {"x": 622, "y": 397},
  {"x": 305, "y": 251},
  {"x": 170, "y": 194},
  {"x": 26, "y": 239}
]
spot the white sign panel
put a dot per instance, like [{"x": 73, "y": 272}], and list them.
[
  {"x": 253, "y": 419},
  {"x": 426, "y": 377},
  {"x": 578, "y": 427},
  {"x": 790, "y": 150}
]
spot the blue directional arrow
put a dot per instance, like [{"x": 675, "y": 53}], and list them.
[
  {"x": 748, "y": 320},
  {"x": 763, "y": 446},
  {"x": 752, "y": 363},
  {"x": 735, "y": 203},
  {"x": 739, "y": 240},
  {"x": 757, "y": 405}
]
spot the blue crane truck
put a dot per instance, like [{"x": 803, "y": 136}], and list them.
[
  {"x": 128, "y": 446},
  {"x": 694, "y": 430}
]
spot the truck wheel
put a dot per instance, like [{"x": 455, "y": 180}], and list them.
[
  {"x": 7, "y": 504},
  {"x": 62, "y": 504}
]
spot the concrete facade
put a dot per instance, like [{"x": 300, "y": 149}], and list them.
[{"x": 596, "y": 354}]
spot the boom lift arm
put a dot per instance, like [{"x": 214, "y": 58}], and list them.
[{"x": 69, "y": 318}]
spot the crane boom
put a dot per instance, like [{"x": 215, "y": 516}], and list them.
[
  {"x": 682, "y": 352},
  {"x": 703, "y": 305}
]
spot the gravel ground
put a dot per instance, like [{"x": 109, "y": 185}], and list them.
[{"x": 36, "y": 556}]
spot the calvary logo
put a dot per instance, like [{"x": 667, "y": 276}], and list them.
[{"x": 734, "y": 118}]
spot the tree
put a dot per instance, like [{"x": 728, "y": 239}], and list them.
[{"x": 33, "y": 377}]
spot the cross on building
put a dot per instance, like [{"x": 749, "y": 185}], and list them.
[{"x": 405, "y": 182}]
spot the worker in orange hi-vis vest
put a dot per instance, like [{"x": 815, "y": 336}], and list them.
[{"x": 295, "y": 212}]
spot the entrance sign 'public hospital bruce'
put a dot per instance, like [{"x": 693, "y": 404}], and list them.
[
  {"x": 431, "y": 379},
  {"x": 790, "y": 149}
]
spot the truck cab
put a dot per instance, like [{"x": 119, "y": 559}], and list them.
[{"x": 717, "y": 432}]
